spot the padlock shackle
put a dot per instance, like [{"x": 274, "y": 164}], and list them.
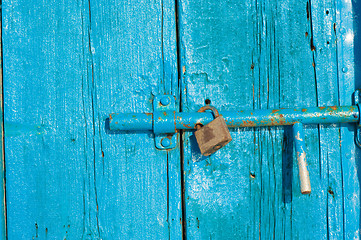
[
  {"x": 209, "y": 107},
  {"x": 203, "y": 109}
]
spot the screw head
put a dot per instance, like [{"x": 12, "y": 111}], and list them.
[
  {"x": 165, "y": 142},
  {"x": 165, "y": 101}
]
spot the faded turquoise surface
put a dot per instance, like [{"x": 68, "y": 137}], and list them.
[{"x": 67, "y": 65}]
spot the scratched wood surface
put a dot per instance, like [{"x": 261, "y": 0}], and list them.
[
  {"x": 258, "y": 55},
  {"x": 68, "y": 64}
]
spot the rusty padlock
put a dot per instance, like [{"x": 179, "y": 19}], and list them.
[{"x": 214, "y": 135}]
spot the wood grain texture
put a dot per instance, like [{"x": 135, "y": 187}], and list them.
[
  {"x": 67, "y": 66},
  {"x": 259, "y": 55}
]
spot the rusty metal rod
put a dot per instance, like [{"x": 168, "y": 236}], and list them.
[{"x": 170, "y": 122}]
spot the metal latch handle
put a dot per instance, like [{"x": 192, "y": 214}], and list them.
[{"x": 300, "y": 147}]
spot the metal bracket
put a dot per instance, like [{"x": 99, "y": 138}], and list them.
[
  {"x": 357, "y": 100},
  {"x": 164, "y": 109}
]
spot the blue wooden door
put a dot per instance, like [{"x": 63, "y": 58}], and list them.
[{"x": 67, "y": 65}]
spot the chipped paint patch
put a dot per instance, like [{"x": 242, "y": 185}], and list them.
[{"x": 297, "y": 136}]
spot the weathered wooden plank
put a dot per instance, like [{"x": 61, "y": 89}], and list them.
[
  {"x": 298, "y": 88},
  {"x": 347, "y": 30},
  {"x": 68, "y": 65},
  {"x": 269, "y": 155},
  {"x": 323, "y": 40},
  {"x": 216, "y": 209},
  {"x": 44, "y": 157},
  {"x": 222, "y": 192}
]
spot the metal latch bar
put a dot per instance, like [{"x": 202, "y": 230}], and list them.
[
  {"x": 165, "y": 122},
  {"x": 171, "y": 121}
]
